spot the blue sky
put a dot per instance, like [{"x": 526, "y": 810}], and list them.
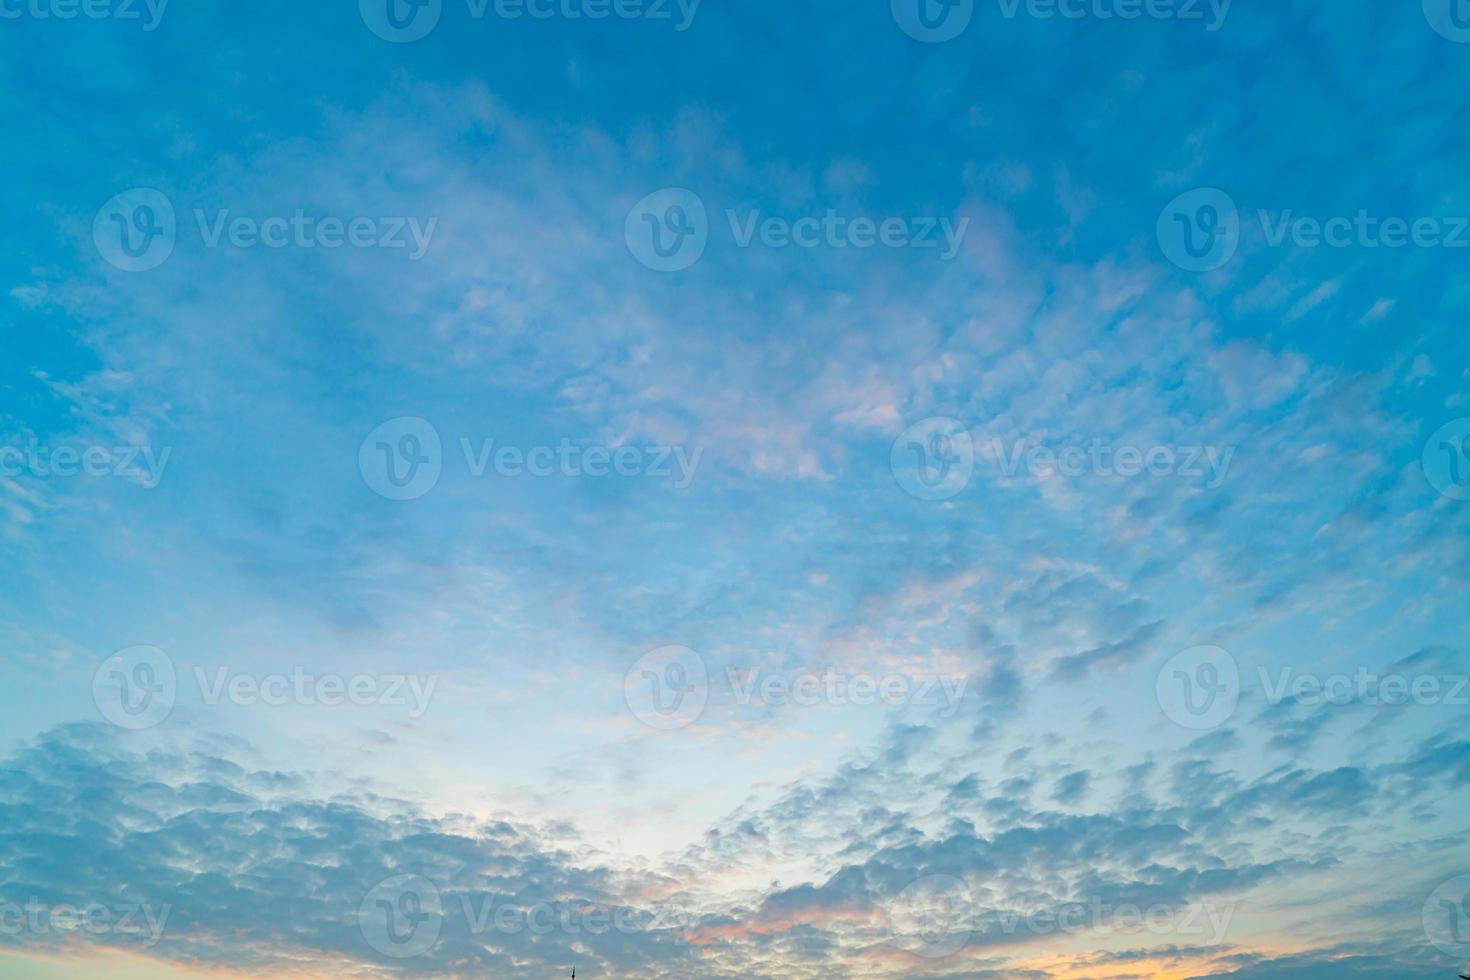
[{"x": 833, "y": 495}]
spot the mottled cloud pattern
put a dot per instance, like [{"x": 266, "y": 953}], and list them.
[{"x": 1060, "y": 603}]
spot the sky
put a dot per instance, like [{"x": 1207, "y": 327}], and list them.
[{"x": 671, "y": 489}]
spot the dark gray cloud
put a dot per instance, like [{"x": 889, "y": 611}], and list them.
[
  {"x": 252, "y": 869},
  {"x": 255, "y": 867}
]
